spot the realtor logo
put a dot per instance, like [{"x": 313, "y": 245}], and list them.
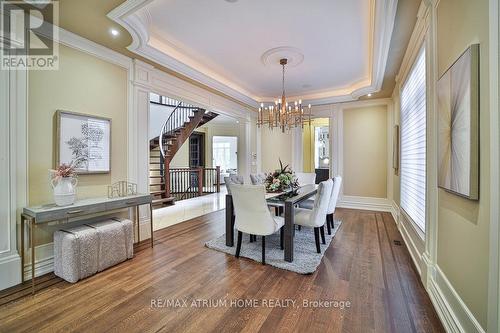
[{"x": 29, "y": 35}]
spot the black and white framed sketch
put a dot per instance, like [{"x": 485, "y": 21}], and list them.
[
  {"x": 83, "y": 140},
  {"x": 458, "y": 112}
]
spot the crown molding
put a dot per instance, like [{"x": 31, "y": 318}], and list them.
[{"x": 383, "y": 13}]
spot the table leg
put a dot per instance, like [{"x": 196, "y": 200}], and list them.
[
  {"x": 151, "y": 222},
  {"x": 137, "y": 221},
  {"x": 289, "y": 230},
  {"x": 229, "y": 221},
  {"x": 32, "y": 244},
  {"x": 22, "y": 248}
]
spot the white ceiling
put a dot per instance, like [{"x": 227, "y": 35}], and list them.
[
  {"x": 228, "y": 39},
  {"x": 339, "y": 48}
]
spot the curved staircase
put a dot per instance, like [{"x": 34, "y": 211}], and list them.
[{"x": 181, "y": 123}]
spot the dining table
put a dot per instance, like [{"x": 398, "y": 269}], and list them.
[{"x": 285, "y": 202}]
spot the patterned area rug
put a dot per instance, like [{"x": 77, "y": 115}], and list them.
[{"x": 306, "y": 259}]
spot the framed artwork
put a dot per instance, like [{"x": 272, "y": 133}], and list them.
[
  {"x": 458, "y": 114},
  {"x": 395, "y": 150},
  {"x": 83, "y": 140}
]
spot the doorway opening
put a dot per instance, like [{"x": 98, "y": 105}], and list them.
[
  {"x": 316, "y": 148},
  {"x": 225, "y": 154}
]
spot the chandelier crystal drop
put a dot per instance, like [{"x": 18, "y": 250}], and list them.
[{"x": 282, "y": 114}]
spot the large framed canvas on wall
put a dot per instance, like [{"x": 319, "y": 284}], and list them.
[
  {"x": 83, "y": 140},
  {"x": 458, "y": 112}
]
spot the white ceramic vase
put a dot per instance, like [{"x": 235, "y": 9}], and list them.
[{"x": 64, "y": 190}]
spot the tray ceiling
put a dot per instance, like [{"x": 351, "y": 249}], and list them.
[{"x": 338, "y": 48}]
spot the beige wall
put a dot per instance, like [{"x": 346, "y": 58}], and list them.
[
  {"x": 275, "y": 145},
  {"x": 464, "y": 224},
  {"x": 365, "y": 151},
  {"x": 82, "y": 84}
]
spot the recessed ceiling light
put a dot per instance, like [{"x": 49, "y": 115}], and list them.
[
  {"x": 114, "y": 32},
  {"x": 237, "y": 121},
  {"x": 369, "y": 95}
]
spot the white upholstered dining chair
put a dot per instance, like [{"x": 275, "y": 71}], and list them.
[
  {"x": 308, "y": 204},
  {"x": 257, "y": 178},
  {"x": 306, "y": 178},
  {"x": 337, "y": 183},
  {"x": 231, "y": 180},
  {"x": 253, "y": 216},
  {"x": 316, "y": 216}
]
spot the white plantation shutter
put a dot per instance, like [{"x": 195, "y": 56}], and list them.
[{"x": 413, "y": 138}]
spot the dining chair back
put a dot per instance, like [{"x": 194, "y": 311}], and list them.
[
  {"x": 306, "y": 178},
  {"x": 231, "y": 180},
  {"x": 337, "y": 183},
  {"x": 257, "y": 178},
  {"x": 321, "y": 203},
  {"x": 251, "y": 211}
]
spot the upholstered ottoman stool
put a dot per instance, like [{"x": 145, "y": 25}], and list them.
[
  {"x": 85, "y": 250},
  {"x": 76, "y": 253},
  {"x": 116, "y": 241}
]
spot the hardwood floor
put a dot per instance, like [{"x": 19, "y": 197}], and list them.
[{"x": 362, "y": 266}]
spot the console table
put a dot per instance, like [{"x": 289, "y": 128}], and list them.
[{"x": 81, "y": 208}]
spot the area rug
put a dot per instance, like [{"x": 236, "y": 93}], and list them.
[{"x": 306, "y": 259}]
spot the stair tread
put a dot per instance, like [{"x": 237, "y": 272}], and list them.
[
  {"x": 163, "y": 200},
  {"x": 156, "y": 192}
]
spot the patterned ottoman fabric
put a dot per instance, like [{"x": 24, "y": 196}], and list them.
[
  {"x": 85, "y": 250},
  {"x": 128, "y": 230},
  {"x": 75, "y": 253}
]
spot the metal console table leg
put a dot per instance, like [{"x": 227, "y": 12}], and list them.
[
  {"x": 22, "y": 247},
  {"x": 32, "y": 244},
  {"x": 151, "y": 222},
  {"x": 138, "y": 225},
  {"x": 32, "y": 227}
]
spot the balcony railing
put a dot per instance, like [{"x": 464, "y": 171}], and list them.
[{"x": 188, "y": 183}]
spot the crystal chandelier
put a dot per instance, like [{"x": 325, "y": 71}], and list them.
[{"x": 282, "y": 114}]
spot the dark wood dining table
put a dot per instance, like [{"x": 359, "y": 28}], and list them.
[{"x": 288, "y": 201}]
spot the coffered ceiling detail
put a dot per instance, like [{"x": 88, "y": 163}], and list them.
[{"x": 337, "y": 49}]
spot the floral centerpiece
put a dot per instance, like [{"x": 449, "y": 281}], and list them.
[
  {"x": 63, "y": 181},
  {"x": 281, "y": 179}
]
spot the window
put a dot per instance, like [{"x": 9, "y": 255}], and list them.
[
  {"x": 413, "y": 140},
  {"x": 224, "y": 150}
]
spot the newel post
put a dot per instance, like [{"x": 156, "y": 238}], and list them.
[{"x": 200, "y": 181}]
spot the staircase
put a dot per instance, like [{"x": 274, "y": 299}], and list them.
[{"x": 181, "y": 123}]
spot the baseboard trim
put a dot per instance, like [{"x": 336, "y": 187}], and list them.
[
  {"x": 451, "y": 309},
  {"x": 413, "y": 249},
  {"x": 395, "y": 212},
  {"x": 44, "y": 260},
  {"x": 10, "y": 271},
  {"x": 145, "y": 228},
  {"x": 365, "y": 203}
]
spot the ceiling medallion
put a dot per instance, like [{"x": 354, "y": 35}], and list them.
[
  {"x": 292, "y": 54},
  {"x": 281, "y": 114}
]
